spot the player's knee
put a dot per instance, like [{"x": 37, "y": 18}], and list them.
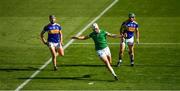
[
  {"x": 109, "y": 59},
  {"x": 53, "y": 56},
  {"x": 107, "y": 62},
  {"x": 61, "y": 54},
  {"x": 122, "y": 46},
  {"x": 121, "y": 52},
  {"x": 131, "y": 53}
]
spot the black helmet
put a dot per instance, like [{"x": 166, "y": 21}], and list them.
[
  {"x": 52, "y": 16},
  {"x": 131, "y": 15}
]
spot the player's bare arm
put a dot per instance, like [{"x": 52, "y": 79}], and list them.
[
  {"x": 137, "y": 35},
  {"x": 121, "y": 31},
  {"x": 61, "y": 37},
  {"x": 42, "y": 38},
  {"x": 81, "y": 37},
  {"x": 113, "y": 35}
]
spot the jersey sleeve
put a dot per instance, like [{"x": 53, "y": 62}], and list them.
[
  {"x": 123, "y": 27},
  {"x": 90, "y": 35},
  {"x": 123, "y": 24},
  {"x": 106, "y": 33},
  {"x": 60, "y": 28},
  {"x": 137, "y": 25},
  {"x": 45, "y": 28}
]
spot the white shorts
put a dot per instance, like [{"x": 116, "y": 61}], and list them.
[
  {"x": 56, "y": 45},
  {"x": 104, "y": 52},
  {"x": 129, "y": 41}
]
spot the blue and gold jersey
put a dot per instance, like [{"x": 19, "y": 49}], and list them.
[
  {"x": 53, "y": 32},
  {"x": 129, "y": 28}
]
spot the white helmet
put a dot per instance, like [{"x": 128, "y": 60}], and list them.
[{"x": 95, "y": 26}]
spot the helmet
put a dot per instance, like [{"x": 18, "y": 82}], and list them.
[
  {"x": 52, "y": 16},
  {"x": 95, "y": 25},
  {"x": 131, "y": 15}
]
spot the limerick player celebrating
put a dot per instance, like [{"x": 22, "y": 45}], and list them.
[
  {"x": 55, "y": 39},
  {"x": 101, "y": 47},
  {"x": 127, "y": 31}
]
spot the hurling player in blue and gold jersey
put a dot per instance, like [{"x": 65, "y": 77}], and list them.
[
  {"x": 128, "y": 28},
  {"x": 55, "y": 40}
]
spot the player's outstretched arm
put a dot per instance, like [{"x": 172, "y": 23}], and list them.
[
  {"x": 81, "y": 37},
  {"x": 113, "y": 35}
]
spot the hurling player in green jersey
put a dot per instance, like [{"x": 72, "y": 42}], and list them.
[{"x": 101, "y": 47}]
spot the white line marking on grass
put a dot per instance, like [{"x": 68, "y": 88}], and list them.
[
  {"x": 70, "y": 42},
  {"x": 159, "y": 43},
  {"x": 139, "y": 43}
]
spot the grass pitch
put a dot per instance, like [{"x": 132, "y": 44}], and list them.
[{"x": 22, "y": 53}]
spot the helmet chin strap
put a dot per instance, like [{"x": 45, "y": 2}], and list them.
[
  {"x": 97, "y": 30},
  {"x": 52, "y": 22}
]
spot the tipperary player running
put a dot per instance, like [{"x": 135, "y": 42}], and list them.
[
  {"x": 101, "y": 47},
  {"x": 55, "y": 39},
  {"x": 127, "y": 30}
]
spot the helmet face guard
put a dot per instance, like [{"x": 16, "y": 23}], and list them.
[
  {"x": 131, "y": 15},
  {"x": 52, "y": 19},
  {"x": 95, "y": 27}
]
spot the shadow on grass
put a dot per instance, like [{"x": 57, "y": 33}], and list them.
[
  {"x": 87, "y": 65},
  {"x": 154, "y": 65},
  {"x": 103, "y": 65},
  {"x": 81, "y": 65},
  {"x": 18, "y": 69},
  {"x": 84, "y": 77}
]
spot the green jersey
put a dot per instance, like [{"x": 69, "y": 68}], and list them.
[{"x": 99, "y": 39}]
